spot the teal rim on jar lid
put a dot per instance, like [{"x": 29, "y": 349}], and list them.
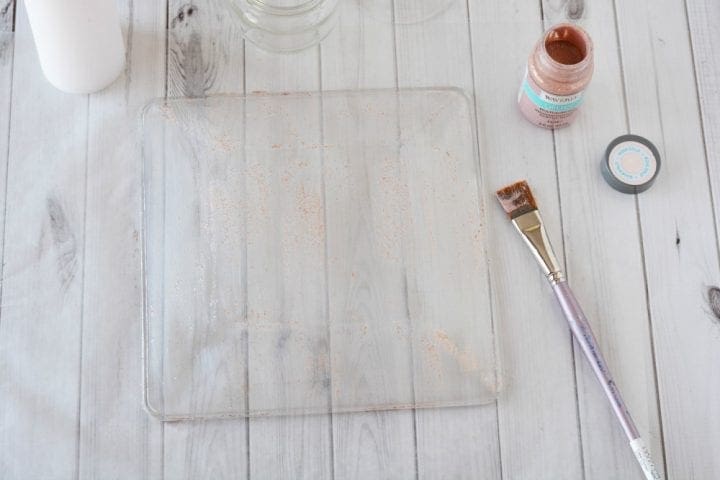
[{"x": 631, "y": 164}]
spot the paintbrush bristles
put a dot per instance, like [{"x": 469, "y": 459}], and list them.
[{"x": 516, "y": 199}]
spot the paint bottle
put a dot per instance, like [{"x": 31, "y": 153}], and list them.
[
  {"x": 79, "y": 42},
  {"x": 558, "y": 71}
]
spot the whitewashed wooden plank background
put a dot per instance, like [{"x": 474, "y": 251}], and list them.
[
  {"x": 646, "y": 268},
  {"x": 200, "y": 63}
]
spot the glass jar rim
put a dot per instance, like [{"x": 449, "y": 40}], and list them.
[
  {"x": 588, "y": 44},
  {"x": 266, "y": 7}
]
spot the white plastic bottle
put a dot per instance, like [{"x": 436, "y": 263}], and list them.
[{"x": 79, "y": 42}]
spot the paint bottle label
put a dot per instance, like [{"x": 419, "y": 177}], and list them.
[{"x": 546, "y": 109}]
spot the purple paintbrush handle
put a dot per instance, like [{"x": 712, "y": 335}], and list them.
[{"x": 585, "y": 338}]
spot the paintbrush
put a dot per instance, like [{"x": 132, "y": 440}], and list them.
[{"x": 518, "y": 202}]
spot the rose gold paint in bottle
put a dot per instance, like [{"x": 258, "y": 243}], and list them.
[{"x": 558, "y": 71}]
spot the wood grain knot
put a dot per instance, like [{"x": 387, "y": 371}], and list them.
[
  {"x": 5, "y": 9},
  {"x": 64, "y": 242},
  {"x": 283, "y": 337},
  {"x": 186, "y": 11},
  {"x": 713, "y": 297},
  {"x": 575, "y": 9}
]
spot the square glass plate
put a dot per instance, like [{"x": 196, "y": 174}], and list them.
[{"x": 314, "y": 252}]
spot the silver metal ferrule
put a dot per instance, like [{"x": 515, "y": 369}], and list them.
[{"x": 530, "y": 226}]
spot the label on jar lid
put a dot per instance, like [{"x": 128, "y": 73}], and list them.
[{"x": 631, "y": 164}]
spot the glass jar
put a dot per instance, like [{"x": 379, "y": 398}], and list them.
[
  {"x": 286, "y": 25},
  {"x": 558, "y": 71},
  {"x": 405, "y": 12}
]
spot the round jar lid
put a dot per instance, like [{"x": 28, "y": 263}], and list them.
[{"x": 631, "y": 164}]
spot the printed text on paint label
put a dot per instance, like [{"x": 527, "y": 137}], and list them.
[{"x": 555, "y": 110}]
